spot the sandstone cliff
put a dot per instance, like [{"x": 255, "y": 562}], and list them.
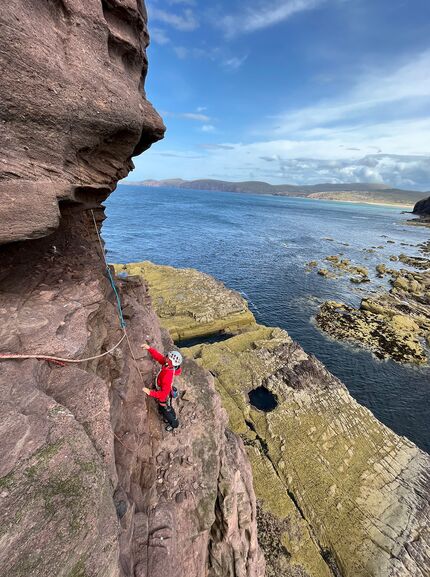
[
  {"x": 72, "y": 106},
  {"x": 91, "y": 485},
  {"x": 339, "y": 493}
]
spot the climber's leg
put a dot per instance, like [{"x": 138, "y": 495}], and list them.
[{"x": 169, "y": 415}]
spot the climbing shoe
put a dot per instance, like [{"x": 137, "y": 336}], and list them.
[{"x": 169, "y": 428}]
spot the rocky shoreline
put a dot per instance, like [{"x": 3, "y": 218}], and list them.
[
  {"x": 393, "y": 324},
  {"x": 338, "y": 493}
]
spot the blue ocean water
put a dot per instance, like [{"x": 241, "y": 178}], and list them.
[{"x": 259, "y": 245}]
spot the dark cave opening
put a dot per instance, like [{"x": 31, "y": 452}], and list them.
[{"x": 264, "y": 400}]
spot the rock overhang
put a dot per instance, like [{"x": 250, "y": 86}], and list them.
[{"x": 73, "y": 109}]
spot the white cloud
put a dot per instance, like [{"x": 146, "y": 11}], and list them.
[
  {"x": 395, "y": 170},
  {"x": 245, "y": 162},
  {"x": 234, "y": 62},
  {"x": 208, "y": 128},
  {"x": 376, "y": 131},
  {"x": 186, "y": 2},
  {"x": 217, "y": 146},
  {"x": 186, "y": 21},
  {"x": 159, "y": 36},
  {"x": 376, "y": 99},
  {"x": 263, "y": 14},
  {"x": 181, "y": 52},
  {"x": 195, "y": 116}
]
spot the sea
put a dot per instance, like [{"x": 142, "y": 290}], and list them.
[{"x": 259, "y": 245}]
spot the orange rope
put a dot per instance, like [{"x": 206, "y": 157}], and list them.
[{"x": 10, "y": 356}]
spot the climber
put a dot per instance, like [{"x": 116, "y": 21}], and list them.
[{"x": 170, "y": 366}]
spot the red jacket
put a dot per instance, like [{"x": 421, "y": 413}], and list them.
[{"x": 165, "y": 376}]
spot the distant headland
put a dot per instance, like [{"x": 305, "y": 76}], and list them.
[{"x": 373, "y": 193}]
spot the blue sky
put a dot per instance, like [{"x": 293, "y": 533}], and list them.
[{"x": 295, "y": 91}]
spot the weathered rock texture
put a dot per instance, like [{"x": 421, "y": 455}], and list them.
[
  {"x": 91, "y": 485},
  {"x": 72, "y": 106},
  {"x": 339, "y": 493},
  {"x": 78, "y": 440},
  {"x": 200, "y": 305},
  {"x": 362, "y": 491}
]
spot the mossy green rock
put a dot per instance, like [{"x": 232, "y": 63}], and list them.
[
  {"x": 322, "y": 461},
  {"x": 189, "y": 303},
  {"x": 339, "y": 493},
  {"x": 372, "y": 325},
  {"x": 404, "y": 339}
]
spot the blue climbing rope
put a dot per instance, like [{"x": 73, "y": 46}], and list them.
[
  {"x": 110, "y": 277},
  {"x": 118, "y": 300}
]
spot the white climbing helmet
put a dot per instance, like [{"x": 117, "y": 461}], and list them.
[{"x": 175, "y": 357}]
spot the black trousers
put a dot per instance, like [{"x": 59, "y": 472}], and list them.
[{"x": 169, "y": 415}]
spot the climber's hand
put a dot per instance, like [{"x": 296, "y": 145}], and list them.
[
  {"x": 145, "y": 346},
  {"x": 146, "y": 390}
]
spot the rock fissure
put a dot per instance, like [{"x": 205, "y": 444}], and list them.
[{"x": 325, "y": 553}]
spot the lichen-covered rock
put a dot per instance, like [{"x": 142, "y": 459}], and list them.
[
  {"x": 415, "y": 261},
  {"x": 341, "y": 266},
  {"x": 399, "y": 339},
  {"x": 190, "y": 303},
  {"x": 361, "y": 492},
  {"x": 326, "y": 273},
  {"x": 359, "y": 279},
  {"x": 404, "y": 340},
  {"x": 73, "y": 108},
  {"x": 312, "y": 264}
]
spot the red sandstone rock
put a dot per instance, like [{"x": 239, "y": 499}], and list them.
[
  {"x": 77, "y": 440},
  {"x": 90, "y": 482},
  {"x": 73, "y": 109}
]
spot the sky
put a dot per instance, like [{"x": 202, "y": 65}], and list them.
[{"x": 290, "y": 91}]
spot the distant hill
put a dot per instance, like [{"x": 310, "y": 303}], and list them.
[{"x": 357, "y": 192}]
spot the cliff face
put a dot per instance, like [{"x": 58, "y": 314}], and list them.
[
  {"x": 339, "y": 493},
  {"x": 91, "y": 485},
  {"x": 73, "y": 107}
]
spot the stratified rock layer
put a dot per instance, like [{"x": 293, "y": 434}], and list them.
[
  {"x": 199, "y": 305},
  {"x": 340, "y": 494},
  {"x": 72, "y": 106},
  {"x": 362, "y": 490}
]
